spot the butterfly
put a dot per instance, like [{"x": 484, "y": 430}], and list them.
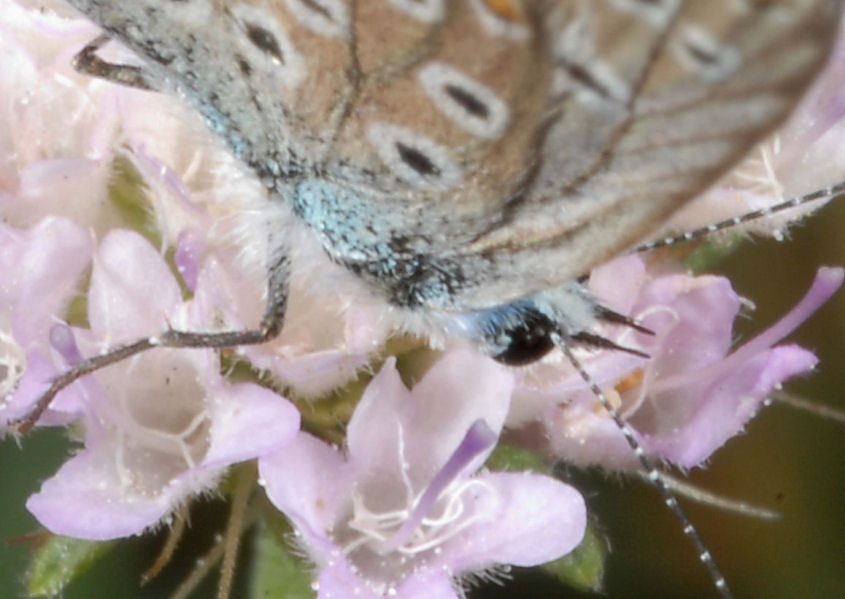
[{"x": 468, "y": 161}]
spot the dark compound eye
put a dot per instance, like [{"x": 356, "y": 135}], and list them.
[{"x": 528, "y": 341}]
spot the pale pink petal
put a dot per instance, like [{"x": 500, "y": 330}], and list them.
[
  {"x": 729, "y": 404},
  {"x": 309, "y": 481},
  {"x": 131, "y": 290},
  {"x": 536, "y": 519},
  {"x": 248, "y": 421},
  {"x": 84, "y": 500}
]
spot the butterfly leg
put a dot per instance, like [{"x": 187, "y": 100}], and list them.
[
  {"x": 270, "y": 326},
  {"x": 88, "y": 62}
]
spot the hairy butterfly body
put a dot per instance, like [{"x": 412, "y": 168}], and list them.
[{"x": 468, "y": 159}]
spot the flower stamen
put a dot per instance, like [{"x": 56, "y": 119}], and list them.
[{"x": 478, "y": 439}]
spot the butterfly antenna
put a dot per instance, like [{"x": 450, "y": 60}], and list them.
[
  {"x": 821, "y": 194},
  {"x": 651, "y": 471}
]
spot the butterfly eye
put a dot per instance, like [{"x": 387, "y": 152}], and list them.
[
  {"x": 514, "y": 334},
  {"x": 527, "y": 340}
]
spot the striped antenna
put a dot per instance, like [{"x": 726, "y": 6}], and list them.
[
  {"x": 821, "y": 194},
  {"x": 651, "y": 471}
]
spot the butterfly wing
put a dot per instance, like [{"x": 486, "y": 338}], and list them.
[
  {"x": 461, "y": 154},
  {"x": 718, "y": 77},
  {"x": 599, "y": 120},
  {"x": 421, "y": 114}
]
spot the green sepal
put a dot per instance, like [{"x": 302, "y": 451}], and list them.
[
  {"x": 583, "y": 567},
  {"x": 60, "y": 561},
  {"x": 128, "y": 195},
  {"x": 275, "y": 572}
]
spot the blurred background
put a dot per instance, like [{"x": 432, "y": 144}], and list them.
[{"x": 788, "y": 461}]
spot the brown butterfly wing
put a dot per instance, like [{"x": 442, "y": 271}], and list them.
[
  {"x": 719, "y": 78},
  {"x": 469, "y": 152}
]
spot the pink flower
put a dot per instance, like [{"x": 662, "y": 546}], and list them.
[
  {"x": 692, "y": 394},
  {"x": 40, "y": 268},
  {"x": 52, "y": 163},
  {"x": 403, "y": 512},
  {"x": 405, "y": 508},
  {"x": 159, "y": 426}
]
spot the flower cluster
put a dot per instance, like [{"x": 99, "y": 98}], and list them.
[{"x": 122, "y": 199}]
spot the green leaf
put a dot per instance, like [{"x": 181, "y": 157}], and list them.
[
  {"x": 583, "y": 568},
  {"x": 61, "y": 560},
  {"x": 276, "y": 574}
]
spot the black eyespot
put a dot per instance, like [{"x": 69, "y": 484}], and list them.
[
  {"x": 528, "y": 341},
  {"x": 582, "y": 76},
  {"x": 705, "y": 56},
  {"x": 417, "y": 160},
  {"x": 318, "y": 8},
  {"x": 468, "y": 102},
  {"x": 243, "y": 65},
  {"x": 264, "y": 40}
]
